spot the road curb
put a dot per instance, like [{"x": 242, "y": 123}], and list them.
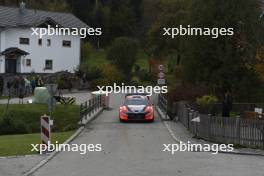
[
  {"x": 52, "y": 155},
  {"x": 237, "y": 152},
  {"x": 17, "y": 156}
]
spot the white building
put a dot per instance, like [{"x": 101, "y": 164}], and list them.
[{"x": 21, "y": 52}]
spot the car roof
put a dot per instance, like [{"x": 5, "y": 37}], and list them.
[
  {"x": 139, "y": 94},
  {"x": 131, "y": 97}
]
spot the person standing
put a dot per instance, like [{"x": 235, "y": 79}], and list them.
[
  {"x": 39, "y": 82},
  {"x": 21, "y": 95},
  {"x": 33, "y": 85},
  {"x": 21, "y": 89},
  {"x": 227, "y": 105}
]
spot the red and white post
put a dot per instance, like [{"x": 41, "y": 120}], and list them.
[{"x": 45, "y": 131}]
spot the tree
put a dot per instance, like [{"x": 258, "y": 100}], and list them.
[
  {"x": 172, "y": 13},
  {"x": 226, "y": 63},
  {"x": 122, "y": 21},
  {"x": 223, "y": 64},
  {"x": 123, "y": 54},
  {"x": 51, "y": 5}
]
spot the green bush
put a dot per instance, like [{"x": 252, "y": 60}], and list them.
[
  {"x": 137, "y": 68},
  {"x": 23, "y": 119},
  {"x": 145, "y": 75},
  {"x": 110, "y": 75},
  {"x": 206, "y": 103},
  {"x": 206, "y": 100},
  {"x": 93, "y": 73},
  {"x": 10, "y": 126}
]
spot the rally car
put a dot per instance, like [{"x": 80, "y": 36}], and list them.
[{"x": 136, "y": 107}]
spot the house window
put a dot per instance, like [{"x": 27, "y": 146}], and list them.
[
  {"x": 40, "y": 42},
  {"x": 48, "y": 42},
  {"x": 48, "y": 65},
  {"x": 24, "y": 41},
  {"x": 28, "y": 62},
  {"x": 66, "y": 43}
]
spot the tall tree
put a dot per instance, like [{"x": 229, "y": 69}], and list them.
[
  {"x": 226, "y": 63},
  {"x": 172, "y": 14},
  {"x": 123, "y": 54},
  {"x": 223, "y": 64}
]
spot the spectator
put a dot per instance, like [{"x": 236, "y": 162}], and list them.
[
  {"x": 227, "y": 105},
  {"x": 16, "y": 85},
  {"x": 9, "y": 86},
  {"x": 33, "y": 85},
  {"x": 21, "y": 89},
  {"x": 39, "y": 82},
  {"x": 27, "y": 86},
  {"x": 21, "y": 95}
]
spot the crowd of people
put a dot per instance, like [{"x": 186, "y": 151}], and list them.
[{"x": 21, "y": 86}]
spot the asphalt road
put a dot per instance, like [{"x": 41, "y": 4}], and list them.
[{"x": 135, "y": 149}]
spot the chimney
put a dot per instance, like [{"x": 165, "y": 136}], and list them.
[{"x": 22, "y": 7}]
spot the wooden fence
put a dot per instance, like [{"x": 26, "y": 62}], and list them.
[{"x": 238, "y": 131}]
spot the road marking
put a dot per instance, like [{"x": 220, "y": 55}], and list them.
[{"x": 171, "y": 132}]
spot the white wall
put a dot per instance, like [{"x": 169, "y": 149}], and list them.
[{"x": 63, "y": 58}]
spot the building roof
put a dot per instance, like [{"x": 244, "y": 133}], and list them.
[
  {"x": 14, "y": 50},
  {"x": 15, "y": 17}
]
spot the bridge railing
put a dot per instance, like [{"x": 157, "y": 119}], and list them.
[
  {"x": 91, "y": 106},
  {"x": 163, "y": 105}
]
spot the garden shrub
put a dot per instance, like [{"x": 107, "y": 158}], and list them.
[
  {"x": 206, "y": 103},
  {"x": 206, "y": 100},
  {"x": 24, "y": 119}
]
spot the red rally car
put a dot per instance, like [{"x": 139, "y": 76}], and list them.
[{"x": 136, "y": 107}]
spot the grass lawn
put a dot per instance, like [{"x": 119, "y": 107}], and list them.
[
  {"x": 13, "y": 145},
  {"x": 25, "y": 119}
]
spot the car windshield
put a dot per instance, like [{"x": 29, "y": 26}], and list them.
[{"x": 136, "y": 101}]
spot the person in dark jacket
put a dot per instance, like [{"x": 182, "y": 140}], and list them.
[
  {"x": 227, "y": 105},
  {"x": 21, "y": 95},
  {"x": 33, "y": 85}
]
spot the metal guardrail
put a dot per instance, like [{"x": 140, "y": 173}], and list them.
[
  {"x": 163, "y": 105},
  {"x": 90, "y": 106}
]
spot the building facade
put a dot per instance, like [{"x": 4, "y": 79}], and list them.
[{"x": 22, "y": 52}]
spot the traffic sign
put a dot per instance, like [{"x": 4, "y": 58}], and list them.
[
  {"x": 161, "y": 81},
  {"x": 161, "y": 67},
  {"x": 161, "y": 75}
]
